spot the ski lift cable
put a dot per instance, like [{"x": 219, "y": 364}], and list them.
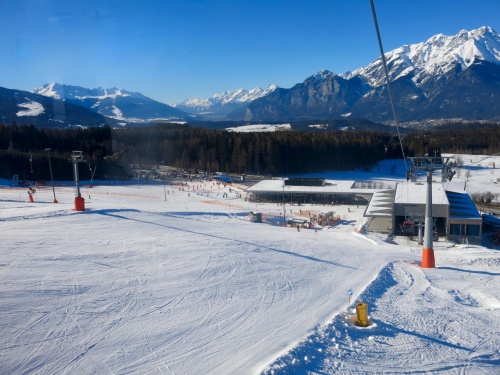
[{"x": 387, "y": 79}]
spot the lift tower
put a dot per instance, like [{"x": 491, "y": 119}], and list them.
[
  {"x": 77, "y": 156},
  {"x": 429, "y": 165}
]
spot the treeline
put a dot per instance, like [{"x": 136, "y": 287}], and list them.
[
  {"x": 291, "y": 152},
  {"x": 459, "y": 139},
  {"x": 271, "y": 153},
  {"x": 23, "y": 152},
  {"x": 22, "y": 149}
]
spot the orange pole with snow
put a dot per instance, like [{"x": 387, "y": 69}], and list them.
[
  {"x": 428, "y": 260},
  {"x": 79, "y": 200}
]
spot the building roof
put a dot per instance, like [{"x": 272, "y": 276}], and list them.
[
  {"x": 416, "y": 193},
  {"x": 331, "y": 187},
  {"x": 462, "y": 206}
]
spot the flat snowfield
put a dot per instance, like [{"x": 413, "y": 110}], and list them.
[{"x": 157, "y": 280}]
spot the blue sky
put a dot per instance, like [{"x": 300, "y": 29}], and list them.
[{"x": 171, "y": 50}]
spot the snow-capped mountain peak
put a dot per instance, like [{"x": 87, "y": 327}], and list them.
[
  {"x": 50, "y": 90},
  {"x": 59, "y": 91},
  {"x": 113, "y": 102},
  {"x": 322, "y": 75},
  {"x": 444, "y": 77},
  {"x": 223, "y": 99},
  {"x": 451, "y": 67},
  {"x": 437, "y": 55}
]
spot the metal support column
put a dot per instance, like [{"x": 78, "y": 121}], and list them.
[
  {"x": 428, "y": 260},
  {"x": 429, "y": 164},
  {"x": 284, "y": 213},
  {"x": 51, "y": 176},
  {"x": 77, "y": 157}
]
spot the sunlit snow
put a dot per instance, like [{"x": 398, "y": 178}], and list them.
[
  {"x": 227, "y": 97},
  {"x": 437, "y": 55},
  {"x": 259, "y": 128},
  {"x": 116, "y": 112},
  {"x": 30, "y": 108},
  {"x": 171, "y": 279}
]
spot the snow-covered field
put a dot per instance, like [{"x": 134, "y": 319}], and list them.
[
  {"x": 259, "y": 128},
  {"x": 151, "y": 279}
]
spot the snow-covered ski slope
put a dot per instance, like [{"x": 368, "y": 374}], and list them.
[{"x": 138, "y": 284}]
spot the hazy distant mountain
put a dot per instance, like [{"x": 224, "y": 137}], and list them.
[
  {"x": 23, "y": 107},
  {"x": 219, "y": 105},
  {"x": 444, "y": 77},
  {"x": 117, "y": 104}
]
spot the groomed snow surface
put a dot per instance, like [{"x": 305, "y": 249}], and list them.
[{"x": 153, "y": 279}]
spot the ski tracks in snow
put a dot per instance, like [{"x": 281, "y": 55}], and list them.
[{"x": 400, "y": 340}]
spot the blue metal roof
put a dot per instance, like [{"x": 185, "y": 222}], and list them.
[{"x": 462, "y": 206}]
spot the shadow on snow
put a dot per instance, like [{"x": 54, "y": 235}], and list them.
[{"x": 114, "y": 213}]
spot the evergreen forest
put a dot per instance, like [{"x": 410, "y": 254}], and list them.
[{"x": 109, "y": 152}]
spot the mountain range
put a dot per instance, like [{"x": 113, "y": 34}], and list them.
[
  {"x": 221, "y": 104},
  {"x": 446, "y": 77},
  {"x": 58, "y": 105},
  {"x": 24, "y": 107},
  {"x": 118, "y": 104}
]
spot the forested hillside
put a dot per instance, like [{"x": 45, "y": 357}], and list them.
[
  {"x": 23, "y": 152},
  {"x": 108, "y": 151},
  {"x": 456, "y": 138},
  {"x": 274, "y": 153}
]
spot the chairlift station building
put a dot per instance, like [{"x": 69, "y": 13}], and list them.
[{"x": 455, "y": 215}]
